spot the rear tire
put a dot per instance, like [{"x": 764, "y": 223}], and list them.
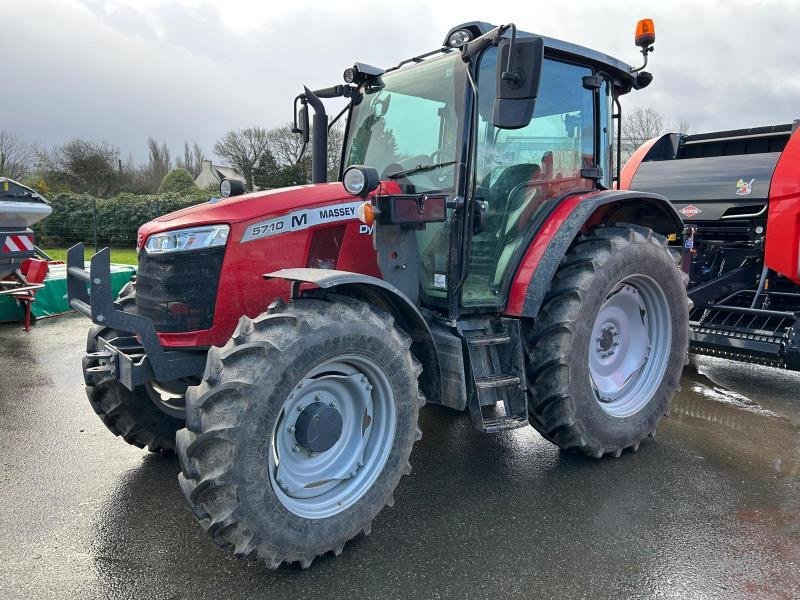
[
  {"x": 569, "y": 402},
  {"x": 235, "y": 444}
]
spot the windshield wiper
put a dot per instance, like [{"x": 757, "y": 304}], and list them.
[{"x": 420, "y": 169}]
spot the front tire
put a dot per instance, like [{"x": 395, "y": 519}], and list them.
[
  {"x": 607, "y": 350},
  {"x": 253, "y": 473},
  {"x": 141, "y": 417}
]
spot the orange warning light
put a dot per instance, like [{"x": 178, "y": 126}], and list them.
[{"x": 645, "y": 33}]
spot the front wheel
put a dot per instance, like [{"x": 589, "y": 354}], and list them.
[
  {"x": 607, "y": 350},
  {"x": 146, "y": 417},
  {"x": 301, "y": 429}
]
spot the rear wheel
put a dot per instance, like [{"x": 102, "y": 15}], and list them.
[
  {"x": 608, "y": 347},
  {"x": 301, "y": 429}
]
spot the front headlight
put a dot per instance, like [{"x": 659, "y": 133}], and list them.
[{"x": 194, "y": 238}]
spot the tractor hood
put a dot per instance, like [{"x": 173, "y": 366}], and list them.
[{"x": 248, "y": 207}]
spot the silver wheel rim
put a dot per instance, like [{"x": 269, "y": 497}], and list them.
[
  {"x": 630, "y": 346},
  {"x": 319, "y": 485},
  {"x": 169, "y": 398}
]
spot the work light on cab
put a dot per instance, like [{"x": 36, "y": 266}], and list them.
[
  {"x": 231, "y": 187},
  {"x": 459, "y": 38},
  {"x": 360, "y": 181}
]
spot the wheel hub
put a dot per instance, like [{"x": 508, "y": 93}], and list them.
[
  {"x": 318, "y": 427},
  {"x": 332, "y": 437},
  {"x": 621, "y": 359},
  {"x": 608, "y": 340}
]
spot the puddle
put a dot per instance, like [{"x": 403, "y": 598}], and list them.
[{"x": 725, "y": 423}]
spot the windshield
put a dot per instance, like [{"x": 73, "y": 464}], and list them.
[{"x": 405, "y": 125}]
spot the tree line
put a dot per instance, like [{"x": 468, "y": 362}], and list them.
[{"x": 266, "y": 158}]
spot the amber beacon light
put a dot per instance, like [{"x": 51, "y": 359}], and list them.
[{"x": 645, "y": 33}]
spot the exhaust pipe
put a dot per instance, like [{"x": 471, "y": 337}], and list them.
[{"x": 319, "y": 139}]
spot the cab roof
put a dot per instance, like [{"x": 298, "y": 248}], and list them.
[{"x": 614, "y": 66}]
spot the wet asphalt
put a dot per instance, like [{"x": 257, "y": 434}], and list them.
[{"x": 710, "y": 508}]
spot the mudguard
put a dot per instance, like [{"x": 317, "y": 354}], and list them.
[
  {"x": 543, "y": 256},
  {"x": 388, "y": 297}
]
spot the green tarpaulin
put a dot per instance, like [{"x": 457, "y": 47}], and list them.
[{"x": 52, "y": 298}]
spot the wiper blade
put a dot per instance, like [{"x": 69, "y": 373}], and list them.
[{"x": 420, "y": 169}]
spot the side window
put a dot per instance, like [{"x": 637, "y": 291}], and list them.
[{"x": 518, "y": 170}]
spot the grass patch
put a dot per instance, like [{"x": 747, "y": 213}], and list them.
[{"x": 122, "y": 256}]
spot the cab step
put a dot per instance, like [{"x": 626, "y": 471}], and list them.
[{"x": 497, "y": 387}]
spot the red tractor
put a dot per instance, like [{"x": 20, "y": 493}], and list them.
[{"x": 473, "y": 255}]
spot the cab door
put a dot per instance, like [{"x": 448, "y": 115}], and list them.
[{"x": 520, "y": 173}]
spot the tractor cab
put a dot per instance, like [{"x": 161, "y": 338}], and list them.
[{"x": 488, "y": 132}]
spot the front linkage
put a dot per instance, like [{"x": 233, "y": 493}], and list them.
[{"x": 132, "y": 359}]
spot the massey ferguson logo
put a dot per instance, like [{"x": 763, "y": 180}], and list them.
[
  {"x": 690, "y": 211},
  {"x": 744, "y": 188}
]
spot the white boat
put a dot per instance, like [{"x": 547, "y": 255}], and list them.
[{"x": 20, "y": 208}]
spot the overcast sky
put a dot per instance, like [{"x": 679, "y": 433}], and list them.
[{"x": 190, "y": 70}]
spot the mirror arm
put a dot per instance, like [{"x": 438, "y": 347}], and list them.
[
  {"x": 490, "y": 38},
  {"x": 510, "y": 74}
]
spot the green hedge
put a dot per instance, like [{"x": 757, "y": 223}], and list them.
[{"x": 118, "y": 218}]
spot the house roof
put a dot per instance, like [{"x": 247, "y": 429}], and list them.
[{"x": 228, "y": 172}]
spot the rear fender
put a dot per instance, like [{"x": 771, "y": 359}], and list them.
[
  {"x": 573, "y": 215},
  {"x": 389, "y": 298}
]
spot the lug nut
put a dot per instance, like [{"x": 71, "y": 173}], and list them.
[
  {"x": 317, "y": 396},
  {"x": 291, "y": 429},
  {"x": 295, "y": 448},
  {"x": 332, "y": 404},
  {"x": 299, "y": 408}
]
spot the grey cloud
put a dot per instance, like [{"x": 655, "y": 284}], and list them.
[{"x": 176, "y": 72}]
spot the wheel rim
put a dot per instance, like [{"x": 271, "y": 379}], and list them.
[
  {"x": 170, "y": 397},
  {"x": 625, "y": 365},
  {"x": 315, "y": 472}
]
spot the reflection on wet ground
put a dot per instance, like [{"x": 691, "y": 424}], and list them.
[
  {"x": 728, "y": 419},
  {"x": 708, "y": 509}
]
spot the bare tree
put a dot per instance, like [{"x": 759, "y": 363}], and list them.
[
  {"x": 643, "y": 124},
  {"x": 243, "y": 149},
  {"x": 285, "y": 146},
  {"x": 160, "y": 161},
  {"x": 17, "y": 158},
  {"x": 287, "y": 149},
  {"x": 192, "y": 159}
]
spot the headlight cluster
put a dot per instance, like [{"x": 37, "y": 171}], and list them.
[{"x": 194, "y": 238}]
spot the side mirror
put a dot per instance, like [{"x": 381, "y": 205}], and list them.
[
  {"x": 519, "y": 65},
  {"x": 301, "y": 125}
]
